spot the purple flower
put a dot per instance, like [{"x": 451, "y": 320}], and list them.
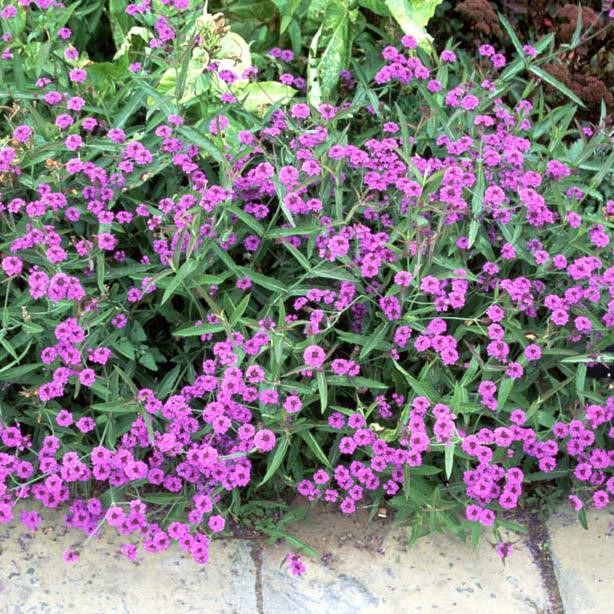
[
  {"x": 447, "y": 55},
  {"x": 314, "y": 356},
  {"x": 216, "y": 523},
  {"x": 532, "y": 352},
  {"x": 22, "y": 133},
  {"x": 12, "y": 266},
  {"x": 264, "y": 440},
  {"x": 77, "y": 75},
  {"x": 87, "y": 377},
  {"x": 64, "y": 418},
  {"x": 70, "y": 556}
]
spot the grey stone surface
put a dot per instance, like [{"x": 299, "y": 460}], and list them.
[
  {"x": 583, "y": 561},
  {"x": 35, "y": 580},
  {"x": 364, "y": 567},
  {"x": 369, "y": 569}
]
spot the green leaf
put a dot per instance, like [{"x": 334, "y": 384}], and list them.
[
  {"x": 296, "y": 231},
  {"x": 556, "y": 84},
  {"x": 322, "y": 390},
  {"x": 275, "y": 460},
  {"x": 270, "y": 283},
  {"x": 287, "y": 10},
  {"x": 147, "y": 360},
  {"x": 476, "y": 533},
  {"x": 375, "y": 6},
  {"x": 540, "y": 476},
  {"x": 504, "y": 391},
  {"x": 336, "y": 35},
  {"x": 581, "y": 380},
  {"x": 362, "y": 340},
  {"x": 9, "y": 348},
  {"x": 120, "y": 22},
  {"x": 239, "y": 310},
  {"x": 198, "y": 329},
  {"x": 249, "y": 220},
  {"x": 420, "y": 388},
  {"x": 314, "y": 446},
  {"x": 449, "y": 459},
  {"x": 184, "y": 270},
  {"x": 258, "y": 95},
  {"x": 477, "y": 201},
  {"x": 582, "y": 518},
  {"x": 412, "y": 16},
  {"x": 32, "y": 328},
  {"x": 196, "y": 137},
  {"x": 424, "y": 470},
  {"x": 126, "y": 44},
  {"x": 127, "y": 406},
  {"x": 374, "y": 340},
  {"x": 298, "y": 256},
  {"x": 124, "y": 347},
  {"x": 510, "y": 32},
  {"x": 584, "y": 358},
  {"x": 169, "y": 382},
  {"x": 356, "y": 382},
  {"x": 314, "y": 91},
  {"x": 16, "y": 373}
]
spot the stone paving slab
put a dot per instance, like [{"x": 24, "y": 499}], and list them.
[
  {"x": 35, "y": 580},
  {"x": 369, "y": 569},
  {"x": 583, "y": 561},
  {"x": 365, "y": 568}
]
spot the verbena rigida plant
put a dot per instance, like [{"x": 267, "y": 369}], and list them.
[{"x": 218, "y": 290}]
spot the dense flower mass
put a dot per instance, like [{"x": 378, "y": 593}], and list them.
[{"x": 395, "y": 299}]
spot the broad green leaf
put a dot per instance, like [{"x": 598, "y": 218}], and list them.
[
  {"x": 233, "y": 53},
  {"x": 287, "y": 10},
  {"x": 258, "y": 95},
  {"x": 127, "y": 44},
  {"x": 124, "y": 347},
  {"x": 317, "y": 10},
  {"x": 375, "y": 6},
  {"x": 120, "y": 22},
  {"x": 337, "y": 40},
  {"x": 314, "y": 90},
  {"x": 412, "y": 16}
]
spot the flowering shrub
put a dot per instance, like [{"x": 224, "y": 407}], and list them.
[{"x": 390, "y": 301}]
